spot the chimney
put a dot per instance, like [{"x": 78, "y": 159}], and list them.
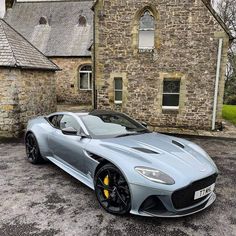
[
  {"x": 9, "y": 3},
  {"x": 2, "y": 8},
  {"x": 4, "y": 5}
]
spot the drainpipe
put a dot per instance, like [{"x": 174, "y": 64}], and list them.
[
  {"x": 217, "y": 83},
  {"x": 94, "y": 64}
]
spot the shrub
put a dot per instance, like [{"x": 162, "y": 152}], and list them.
[{"x": 231, "y": 100}]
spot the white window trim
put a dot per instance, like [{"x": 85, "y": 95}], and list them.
[
  {"x": 147, "y": 29},
  {"x": 171, "y": 107},
  {"x": 118, "y": 90},
  {"x": 90, "y": 86}
]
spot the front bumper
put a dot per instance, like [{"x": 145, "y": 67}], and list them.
[{"x": 163, "y": 205}]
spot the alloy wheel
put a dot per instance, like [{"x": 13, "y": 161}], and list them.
[{"x": 112, "y": 190}]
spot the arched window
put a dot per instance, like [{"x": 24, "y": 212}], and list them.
[
  {"x": 43, "y": 20},
  {"x": 82, "y": 21},
  {"x": 146, "y": 31},
  {"x": 85, "y": 78}
]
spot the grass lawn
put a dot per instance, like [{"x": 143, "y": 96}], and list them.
[{"x": 229, "y": 113}]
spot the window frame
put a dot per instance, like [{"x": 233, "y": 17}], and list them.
[
  {"x": 153, "y": 30},
  {"x": 74, "y": 120},
  {"x": 168, "y": 93},
  {"x": 118, "y": 90},
  {"x": 90, "y": 78}
]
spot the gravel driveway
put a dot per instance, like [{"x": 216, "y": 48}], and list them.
[{"x": 43, "y": 200}]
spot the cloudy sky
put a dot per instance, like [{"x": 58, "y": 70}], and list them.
[
  {"x": 2, "y": 4},
  {"x": 1, "y": 8}
]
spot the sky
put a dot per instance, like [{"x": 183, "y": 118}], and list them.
[
  {"x": 2, "y": 4},
  {"x": 1, "y": 8}
]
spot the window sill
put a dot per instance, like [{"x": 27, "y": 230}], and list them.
[
  {"x": 146, "y": 50},
  {"x": 118, "y": 102},
  {"x": 170, "y": 110},
  {"x": 85, "y": 89}
]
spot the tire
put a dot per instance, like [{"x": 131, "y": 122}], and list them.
[
  {"x": 32, "y": 149},
  {"x": 112, "y": 190}
]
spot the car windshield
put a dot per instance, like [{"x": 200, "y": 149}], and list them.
[{"x": 112, "y": 125}]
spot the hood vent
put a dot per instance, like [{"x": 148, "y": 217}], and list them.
[
  {"x": 145, "y": 150},
  {"x": 178, "y": 144}
]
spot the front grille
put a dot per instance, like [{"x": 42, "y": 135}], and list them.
[{"x": 185, "y": 197}]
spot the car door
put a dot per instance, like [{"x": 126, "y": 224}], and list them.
[{"x": 68, "y": 148}]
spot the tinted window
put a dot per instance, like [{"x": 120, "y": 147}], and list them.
[
  {"x": 112, "y": 125},
  {"x": 55, "y": 120},
  {"x": 69, "y": 121},
  {"x": 171, "y": 93}
]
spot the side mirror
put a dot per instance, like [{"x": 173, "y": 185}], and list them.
[{"x": 69, "y": 131}]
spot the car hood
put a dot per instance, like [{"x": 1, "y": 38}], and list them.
[{"x": 165, "y": 153}]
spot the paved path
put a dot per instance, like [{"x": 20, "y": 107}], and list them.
[{"x": 43, "y": 201}]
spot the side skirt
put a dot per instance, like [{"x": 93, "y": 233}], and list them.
[{"x": 76, "y": 174}]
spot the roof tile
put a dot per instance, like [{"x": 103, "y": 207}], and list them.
[
  {"x": 16, "y": 51},
  {"x": 62, "y": 36}
]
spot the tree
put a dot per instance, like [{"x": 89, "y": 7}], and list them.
[{"x": 227, "y": 11}]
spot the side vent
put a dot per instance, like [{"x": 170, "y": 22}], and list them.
[
  {"x": 145, "y": 150},
  {"x": 178, "y": 144},
  {"x": 93, "y": 156}
]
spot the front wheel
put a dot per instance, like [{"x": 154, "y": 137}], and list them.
[
  {"x": 112, "y": 190},
  {"x": 32, "y": 149}
]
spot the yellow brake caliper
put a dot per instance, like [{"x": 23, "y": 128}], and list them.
[{"x": 106, "y": 182}]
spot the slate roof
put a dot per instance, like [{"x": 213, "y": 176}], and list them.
[
  {"x": 62, "y": 36},
  {"x": 17, "y": 52}
]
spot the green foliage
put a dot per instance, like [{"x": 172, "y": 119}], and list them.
[
  {"x": 229, "y": 113},
  {"x": 230, "y": 100}
]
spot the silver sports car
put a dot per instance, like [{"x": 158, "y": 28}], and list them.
[{"x": 130, "y": 168}]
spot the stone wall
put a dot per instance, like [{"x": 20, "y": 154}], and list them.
[
  {"x": 186, "y": 44},
  {"x": 68, "y": 91},
  {"x": 23, "y": 95}
]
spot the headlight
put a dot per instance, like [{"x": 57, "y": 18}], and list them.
[{"x": 155, "y": 175}]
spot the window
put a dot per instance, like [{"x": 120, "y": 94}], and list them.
[
  {"x": 171, "y": 93},
  {"x": 69, "y": 121},
  {"x": 85, "y": 78},
  {"x": 82, "y": 21},
  {"x": 43, "y": 20},
  {"x": 118, "y": 89},
  {"x": 146, "y": 31},
  {"x": 110, "y": 125},
  {"x": 55, "y": 120}
]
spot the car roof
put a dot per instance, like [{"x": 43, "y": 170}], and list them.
[
  {"x": 94, "y": 112},
  {"x": 103, "y": 112}
]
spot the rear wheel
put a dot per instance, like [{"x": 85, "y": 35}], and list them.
[
  {"x": 112, "y": 190},
  {"x": 32, "y": 149}
]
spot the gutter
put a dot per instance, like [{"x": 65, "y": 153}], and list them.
[
  {"x": 217, "y": 83},
  {"x": 94, "y": 65}
]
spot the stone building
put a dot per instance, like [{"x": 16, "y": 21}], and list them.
[
  {"x": 63, "y": 32},
  {"x": 162, "y": 62},
  {"x": 27, "y": 81}
]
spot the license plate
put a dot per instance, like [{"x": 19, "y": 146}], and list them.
[{"x": 203, "y": 192}]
